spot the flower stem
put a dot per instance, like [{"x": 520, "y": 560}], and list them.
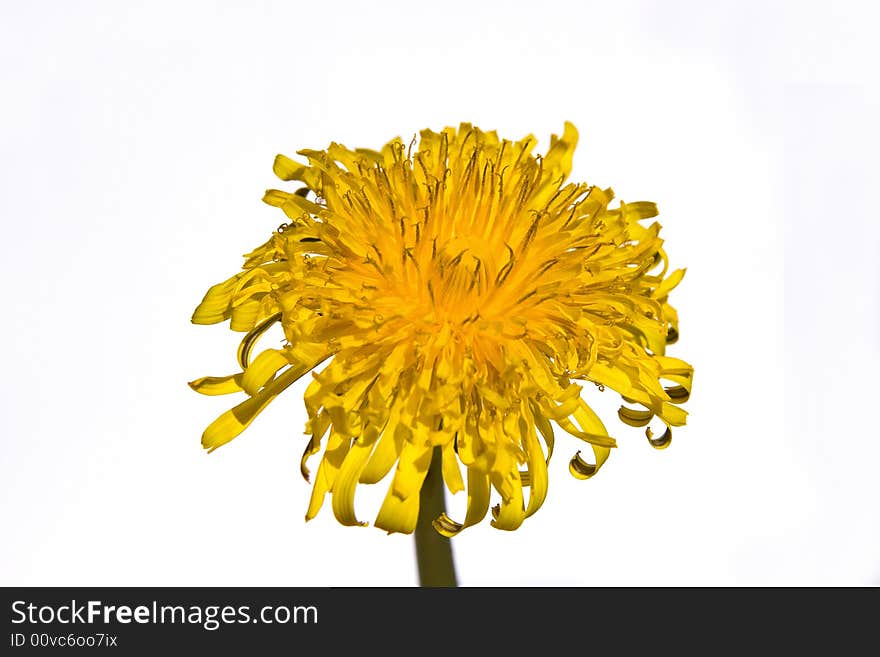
[{"x": 433, "y": 551}]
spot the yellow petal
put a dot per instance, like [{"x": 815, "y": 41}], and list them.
[
  {"x": 264, "y": 368},
  {"x": 559, "y": 157},
  {"x": 248, "y": 342},
  {"x": 338, "y": 447},
  {"x": 387, "y": 450},
  {"x": 580, "y": 469},
  {"x": 234, "y": 421},
  {"x": 400, "y": 509},
  {"x": 411, "y": 467},
  {"x": 538, "y": 479},
  {"x": 477, "y": 505},
  {"x": 672, "y": 414},
  {"x": 592, "y": 438},
  {"x": 347, "y": 479},
  {"x": 666, "y": 286},
  {"x": 217, "y": 303},
  {"x": 451, "y": 473},
  {"x": 634, "y": 417},
  {"x": 293, "y": 205},
  {"x": 287, "y": 169},
  {"x": 505, "y": 478},
  {"x": 317, "y": 426},
  {"x": 663, "y": 441},
  {"x": 544, "y": 428},
  {"x": 611, "y": 377},
  {"x": 243, "y": 317},
  {"x": 217, "y": 385}
]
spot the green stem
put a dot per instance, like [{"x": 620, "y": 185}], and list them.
[{"x": 433, "y": 551}]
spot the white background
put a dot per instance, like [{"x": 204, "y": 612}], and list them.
[{"x": 138, "y": 138}]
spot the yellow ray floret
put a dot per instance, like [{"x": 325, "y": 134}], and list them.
[{"x": 456, "y": 291}]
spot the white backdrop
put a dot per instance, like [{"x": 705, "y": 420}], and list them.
[{"x": 138, "y": 138}]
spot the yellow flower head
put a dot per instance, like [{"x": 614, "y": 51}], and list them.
[{"x": 455, "y": 290}]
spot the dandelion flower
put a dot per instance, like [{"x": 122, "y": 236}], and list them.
[{"x": 451, "y": 293}]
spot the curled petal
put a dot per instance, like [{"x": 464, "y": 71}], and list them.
[
  {"x": 244, "y": 349},
  {"x": 477, "y": 505},
  {"x": 678, "y": 394},
  {"x": 634, "y": 417},
  {"x": 663, "y": 441},
  {"x": 580, "y": 469}
]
